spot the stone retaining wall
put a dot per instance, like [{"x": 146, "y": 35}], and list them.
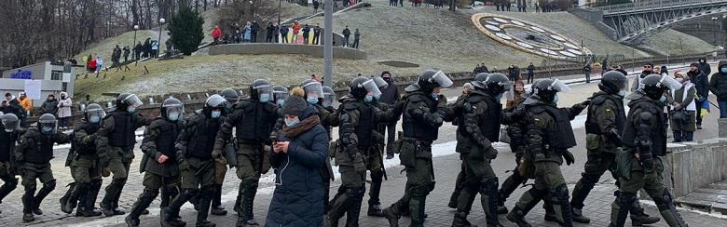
[
  {"x": 274, "y": 48},
  {"x": 690, "y": 166}
]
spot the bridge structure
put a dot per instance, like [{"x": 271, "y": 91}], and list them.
[{"x": 628, "y": 23}]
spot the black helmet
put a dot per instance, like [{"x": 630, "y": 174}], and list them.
[
  {"x": 280, "y": 93},
  {"x": 481, "y": 76},
  {"x": 546, "y": 89},
  {"x": 230, "y": 95},
  {"x": 214, "y": 102},
  {"x": 431, "y": 79},
  {"x": 495, "y": 84},
  {"x": 313, "y": 91},
  {"x": 10, "y": 122},
  {"x": 613, "y": 82},
  {"x": 47, "y": 124},
  {"x": 361, "y": 86},
  {"x": 261, "y": 90},
  {"x": 94, "y": 113},
  {"x": 126, "y": 100},
  {"x": 172, "y": 109},
  {"x": 654, "y": 85}
]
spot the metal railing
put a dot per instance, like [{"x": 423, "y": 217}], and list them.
[{"x": 656, "y": 4}]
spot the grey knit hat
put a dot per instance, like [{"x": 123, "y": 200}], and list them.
[{"x": 294, "y": 105}]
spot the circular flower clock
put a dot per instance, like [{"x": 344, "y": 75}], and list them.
[{"x": 528, "y": 37}]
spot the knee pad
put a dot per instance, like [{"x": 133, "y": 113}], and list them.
[
  {"x": 151, "y": 193},
  {"x": 355, "y": 193},
  {"x": 664, "y": 201},
  {"x": 561, "y": 192},
  {"x": 625, "y": 198},
  {"x": 50, "y": 185},
  {"x": 190, "y": 192}
]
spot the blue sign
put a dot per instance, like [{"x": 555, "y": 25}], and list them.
[{"x": 21, "y": 74}]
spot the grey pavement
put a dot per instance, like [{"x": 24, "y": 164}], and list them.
[{"x": 446, "y": 164}]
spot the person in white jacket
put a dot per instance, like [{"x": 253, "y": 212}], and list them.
[
  {"x": 683, "y": 109},
  {"x": 64, "y": 111}
]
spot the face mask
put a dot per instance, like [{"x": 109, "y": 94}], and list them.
[
  {"x": 435, "y": 96},
  {"x": 662, "y": 99},
  {"x": 291, "y": 123},
  {"x": 9, "y": 130},
  {"x": 369, "y": 98},
  {"x": 216, "y": 114},
  {"x": 280, "y": 102},
  {"x": 622, "y": 93},
  {"x": 131, "y": 109},
  {"x": 555, "y": 99},
  {"x": 47, "y": 128},
  {"x": 94, "y": 119},
  {"x": 723, "y": 70},
  {"x": 174, "y": 116},
  {"x": 312, "y": 100},
  {"x": 265, "y": 98}
]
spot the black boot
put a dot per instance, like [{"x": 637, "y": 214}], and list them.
[
  {"x": 620, "y": 208},
  {"x": 489, "y": 199},
  {"x": 339, "y": 205},
  {"x": 27, "y": 204},
  {"x": 64, "y": 199},
  {"x": 71, "y": 202},
  {"x": 638, "y": 217},
  {"x": 392, "y": 215},
  {"x": 145, "y": 199},
  {"x": 562, "y": 206},
  {"x": 170, "y": 214},
  {"x": 460, "y": 220},
  {"x": 374, "y": 208},
  {"x": 217, "y": 208},
  {"x": 107, "y": 204},
  {"x": 246, "y": 216},
  {"x": 42, "y": 193},
  {"x": 354, "y": 211},
  {"x": 580, "y": 192},
  {"x": 528, "y": 200},
  {"x": 205, "y": 200},
  {"x": 86, "y": 207}
]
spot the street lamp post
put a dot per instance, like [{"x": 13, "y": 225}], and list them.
[
  {"x": 280, "y": 4},
  {"x": 328, "y": 43},
  {"x": 133, "y": 45},
  {"x": 714, "y": 30},
  {"x": 159, "y": 45}
]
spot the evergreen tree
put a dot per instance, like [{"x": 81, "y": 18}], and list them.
[{"x": 185, "y": 30}]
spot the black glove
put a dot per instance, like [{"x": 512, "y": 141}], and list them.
[
  {"x": 614, "y": 137},
  {"x": 569, "y": 158},
  {"x": 434, "y": 119},
  {"x": 491, "y": 153}
]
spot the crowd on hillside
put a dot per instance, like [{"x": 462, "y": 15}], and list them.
[{"x": 295, "y": 33}]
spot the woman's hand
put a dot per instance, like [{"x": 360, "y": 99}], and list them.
[{"x": 281, "y": 146}]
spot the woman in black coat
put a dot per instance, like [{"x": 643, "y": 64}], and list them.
[{"x": 297, "y": 158}]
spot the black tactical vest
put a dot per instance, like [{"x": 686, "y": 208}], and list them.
[
  {"x": 86, "y": 148},
  {"x": 490, "y": 122},
  {"x": 7, "y": 144},
  {"x": 167, "y": 139},
  {"x": 257, "y": 121},
  {"x": 561, "y": 137},
  {"x": 657, "y": 134},
  {"x": 42, "y": 152},
  {"x": 417, "y": 129},
  {"x": 592, "y": 124},
  {"x": 203, "y": 141},
  {"x": 124, "y": 127},
  {"x": 366, "y": 123}
]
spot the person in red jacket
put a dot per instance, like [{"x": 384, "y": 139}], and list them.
[
  {"x": 216, "y": 34},
  {"x": 92, "y": 65},
  {"x": 296, "y": 31}
]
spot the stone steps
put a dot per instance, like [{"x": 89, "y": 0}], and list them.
[{"x": 712, "y": 199}]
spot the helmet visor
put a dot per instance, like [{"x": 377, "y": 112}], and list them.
[
  {"x": 510, "y": 93},
  {"x": 10, "y": 125},
  {"x": 670, "y": 83},
  {"x": 559, "y": 86},
  {"x": 216, "y": 101},
  {"x": 371, "y": 87},
  {"x": 280, "y": 95},
  {"x": 442, "y": 79},
  {"x": 328, "y": 96},
  {"x": 177, "y": 110},
  {"x": 264, "y": 89},
  {"x": 100, "y": 113},
  {"x": 133, "y": 101},
  {"x": 313, "y": 90},
  {"x": 380, "y": 82},
  {"x": 48, "y": 126}
]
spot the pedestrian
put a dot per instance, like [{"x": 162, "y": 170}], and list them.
[
  {"x": 306, "y": 34},
  {"x": 718, "y": 87},
  {"x": 138, "y": 49},
  {"x": 50, "y": 105},
  {"x": 118, "y": 129},
  {"x": 9, "y": 134},
  {"x": 531, "y": 72},
  {"x": 401, "y": 3},
  {"x": 619, "y": 69},
  {"x": 25, "y": 103},
  {"x": 587, "y": 71},
  {"x": 247, "y": 33},
  {"x": 604, "y": 128},
  {"x": 683, "y": 109},
  {"x": 284, "y": 33},
  {"x": 317, "y": 35},
  {"x": 127, "y": 52},
  {"x": 640, "y": 163},
  {"x": 346, "y": 35},
  {"x": 216, "y": 35},
  {"x": 480, "y": 115},
  {"x": 160, "y": 160},
  {"x": 155, "y": 48},
  {"x": 81, "y": 159},
  {"x": 298, "y": 154},
  {"x": 196, "y": 160},
  {"x": 147, "y": 48},
  {"x": 269, "y": 32},
  {"x": 91, "y": 65},
  {"x": 64, "y": 111},
  {"x": 116, "y": 57},
  {"x": 390, "y": 96},
  {"x": 99, "y": 64},
  {"x": 34, "y": 152},
  {"x": 356, "y": 38},
  {"x": 296, "y": 31},
  {"x": 663, "y": 70},
  {"x": 545, "y": 120},
  {"x": 518, "y": 91},
  {"x": 315, "y": 6},
  {"x": 648, "y": 70},
  {"x": 254, "y": 29},
  {"x": 419, "y": 133},
  {"x": 276, "y": 32},
  {"x": 701, "y": 82},
  {"x": 11, "y": 105},
  {"x": 253, "y": 120},
  {"x": 512, "y": 73}
]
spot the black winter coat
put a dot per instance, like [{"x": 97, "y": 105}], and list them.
[
  {"x": 299, "y": 195},
  {"x": 718, "y": 83},
  {"x": 701, "y": 82}
]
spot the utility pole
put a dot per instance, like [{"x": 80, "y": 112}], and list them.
[{"x": 328, "y": 43}]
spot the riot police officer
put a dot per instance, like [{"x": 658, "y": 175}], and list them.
[
  {"x": 232, "y": 98},
  {"x": 85, "y": 169},
  {"x": 196, "y": 159},
  {"x": 159, "y": 160},
  {"x": 9, "y": 133},
  {"x": 33, "y": 154},
  {"x": 516, "y": 132},
  {"x": 280, "y": 93},
  {"x": 604, "y": 125},
  {"x": 375, "y": 161},
  {"x": 545, "y": 120},
  {"x": 357, "y": 118},
  {"x": 117, "y": 139},
  {"x": 253, "y": 121},
  {"x": 640, "y": 164},
  {"x": 424, "y": 112},
  {"x": 477, "y": 129}
]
